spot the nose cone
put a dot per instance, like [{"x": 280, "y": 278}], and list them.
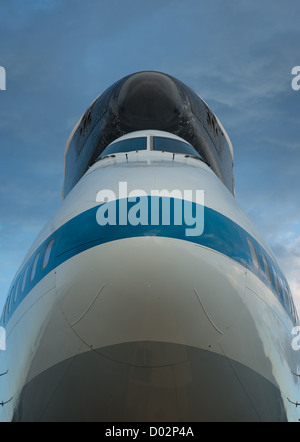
[
  {"x": 130, "y": 299},
  {"x": 149, "y": 100},
  {"x": 153, "y": 311}
]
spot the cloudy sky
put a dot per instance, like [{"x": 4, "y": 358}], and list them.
[{"x": 236, "y": 54}]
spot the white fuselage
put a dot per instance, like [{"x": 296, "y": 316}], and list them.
[{"x": 147, "y": 324}]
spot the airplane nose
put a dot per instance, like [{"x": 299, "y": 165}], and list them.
[
  {"x": 144, "y": 294},
  {"x": 151, "y": 314}
]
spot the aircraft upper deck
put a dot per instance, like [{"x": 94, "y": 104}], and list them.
[{"x": 141, "y": 101}]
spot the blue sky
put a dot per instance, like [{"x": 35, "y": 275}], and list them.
[{"x": 59, "y": 55}]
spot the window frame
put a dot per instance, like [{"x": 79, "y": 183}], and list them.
[
  {"x": 286, "y": 295},
  {"x": 17, "y": 289},
  {"x": 47, "y": 254},
  {"x": 25, "y": 277},
  {"x": 190, "y": 150},
  {"x": 277, "y": 283},
  {"x": 11, "y": 294},
  {"x": 254, "y": 254},
  {"x": 5, "y": 310},
  {"x": 267, "y": 268},
  {"x": 34, "y": 266},
  {"x": 110, "y": 149}
]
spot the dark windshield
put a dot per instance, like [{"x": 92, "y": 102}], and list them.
[
  {"x": 129, "y": 145},
  {"x": 159, "y": 144},
  {"x": 174, "y": 146}
]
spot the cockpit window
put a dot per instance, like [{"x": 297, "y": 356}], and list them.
[
  {"x": 174, "y": 146},
  {"x": 128, "y": 145},
  {"x": 162, "y": 144}
]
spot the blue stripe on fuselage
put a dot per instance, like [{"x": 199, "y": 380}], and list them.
[{"x": 83, "y": 232}]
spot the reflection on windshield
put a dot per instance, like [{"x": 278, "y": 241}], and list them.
[
  {"x": 159, "y": 144},
  {"x": 174, "y": 146},
  {"x": 132, "y": 144}
]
